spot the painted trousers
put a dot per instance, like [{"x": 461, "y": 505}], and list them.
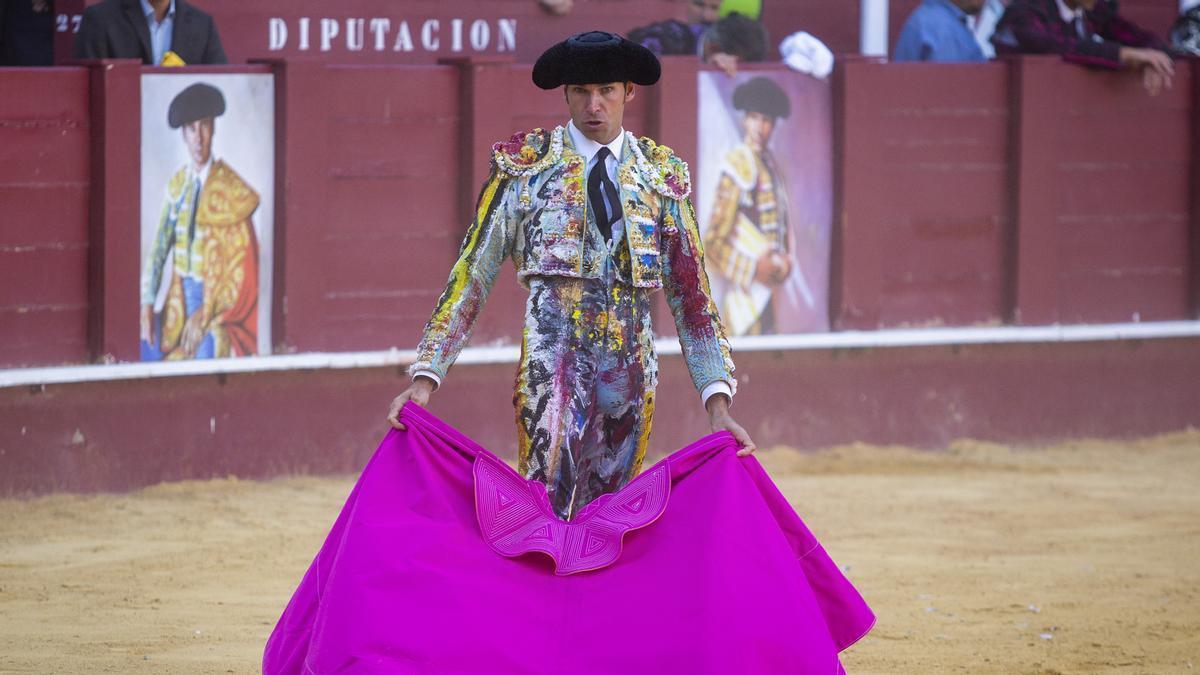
[{"x": 585, "y": 387}]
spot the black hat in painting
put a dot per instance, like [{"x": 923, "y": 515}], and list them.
[
  {"x": 195, "y": 103},
  {"x": 593, "y": 58},
  {"x": 761, "y": 95}
]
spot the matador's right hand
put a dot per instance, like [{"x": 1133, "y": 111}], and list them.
[{"x": 418, "y": 392}]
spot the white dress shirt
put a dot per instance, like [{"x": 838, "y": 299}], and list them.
[
  {"x": 587, "y": 148},
  {"x": 160, "y": 31}
]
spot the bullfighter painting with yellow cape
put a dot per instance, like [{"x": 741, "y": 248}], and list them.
[{"x": 199, "y": 296}]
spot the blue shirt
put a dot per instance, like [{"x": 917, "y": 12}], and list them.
[
  {"x": 937, "y": 31},
  {"x": 160, "y": 33}
]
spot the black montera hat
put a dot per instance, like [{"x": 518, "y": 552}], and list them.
[
  {"x": 762, "y": 95},
  {"x": 195, "y": 103},
  {"x": 595, "y": 57}
]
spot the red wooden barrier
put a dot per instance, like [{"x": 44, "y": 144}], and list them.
[
  {"x": 1105, "y": 203},
  {"x": 117, "y": 436},
  {"x": 923, "y": 172},
  {"x": 45, "y": 173},
  {"x": 113, "y": 263},
  {"x": 372, "y": 170},
  {"x": 1034, "y": 192},
  {"x": 1030, "y": 192}
]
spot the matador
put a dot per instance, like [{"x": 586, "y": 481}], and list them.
[{"x": 595, "y": 220}]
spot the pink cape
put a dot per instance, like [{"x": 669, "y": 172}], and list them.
[{"x": 445, "y": 560}]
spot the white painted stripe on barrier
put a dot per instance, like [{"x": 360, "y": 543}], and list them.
[{"x": 907, "y": 337}]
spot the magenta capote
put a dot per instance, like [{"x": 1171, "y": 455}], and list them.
[{"x": 726, "y": 578}]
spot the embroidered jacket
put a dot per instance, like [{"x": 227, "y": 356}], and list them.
[
  {"x": 1036, "y": 27},
  {"x": 534, "y": 208}
]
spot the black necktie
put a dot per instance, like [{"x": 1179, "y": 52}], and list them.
[{"x": 599, "y": 186}]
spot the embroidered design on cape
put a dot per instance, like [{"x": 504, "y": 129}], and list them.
[{"x": 515, "y": 516}]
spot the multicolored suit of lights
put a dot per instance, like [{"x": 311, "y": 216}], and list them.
[{"x": 586, "y": 379}]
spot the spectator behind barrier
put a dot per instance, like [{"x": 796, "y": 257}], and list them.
[
  {"x": 1185, "y": 34},
  {"x": 940, "y": 30},
  {"x": 675, "y": 37},
  {"x": 732, "y": 40},
  {"x": 159, "y": 32},
  {"x": 1087, "y": 32},
  {"x": 26, "y": 32},
  {"x": 750, "y": 8}
]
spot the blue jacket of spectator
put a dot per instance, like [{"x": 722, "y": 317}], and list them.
[{"x": 937, "y": 31}]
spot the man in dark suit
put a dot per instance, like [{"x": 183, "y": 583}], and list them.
[{"x": 150, "y": 30}]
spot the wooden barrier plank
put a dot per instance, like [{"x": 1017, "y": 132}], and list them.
[
  {"x": 36, "y": 276},
  {"x": 1193, "y": 278},
  {"x": 1122, "y": 198},
  {"x": 1035, "y": 103},
  {"x": 45, "y": 136},
  {"x": 922, "y": 192},
  {"x": 113, "y": 283},
  {"x": 51, "y": 335}
]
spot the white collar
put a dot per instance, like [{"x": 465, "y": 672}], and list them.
[
  {"x": 1069, "y": 15},
  {"x": 202, "y": 173},
  {"x": 588, "y": 148}
]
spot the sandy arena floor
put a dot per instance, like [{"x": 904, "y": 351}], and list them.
[{"x": 1082, "y": 558}]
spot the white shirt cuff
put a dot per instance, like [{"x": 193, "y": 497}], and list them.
[
  {"x": 437, "y": 380},
  {"x": 718, "y": 387}
]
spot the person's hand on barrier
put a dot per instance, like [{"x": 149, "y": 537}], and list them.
[
  {"x": 726, "y": 62},
  {"x": 1154, "y": 82},
  {"x": 418, "y": 392},
  {"x": 1150, "y": 60},
  {"x": 147, "y": 330},
  {"x": 720, "y": 420},
  {"x": 558, "y": 7}
]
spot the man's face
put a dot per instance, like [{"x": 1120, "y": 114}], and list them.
[
  {"x": 971, "y": 7},
  {"x": 756, "y": 130},
  {"x": 598, "y": 109},
  {"x": 703, "y": 11},
  {"x": 198, "y": 137}
]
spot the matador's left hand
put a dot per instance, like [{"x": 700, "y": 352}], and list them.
[{"x": 720, "y": 420}]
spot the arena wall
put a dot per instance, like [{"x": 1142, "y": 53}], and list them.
[
  {"x": 1022, "y": 193},
  {"x": 125, "y": 434}
]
